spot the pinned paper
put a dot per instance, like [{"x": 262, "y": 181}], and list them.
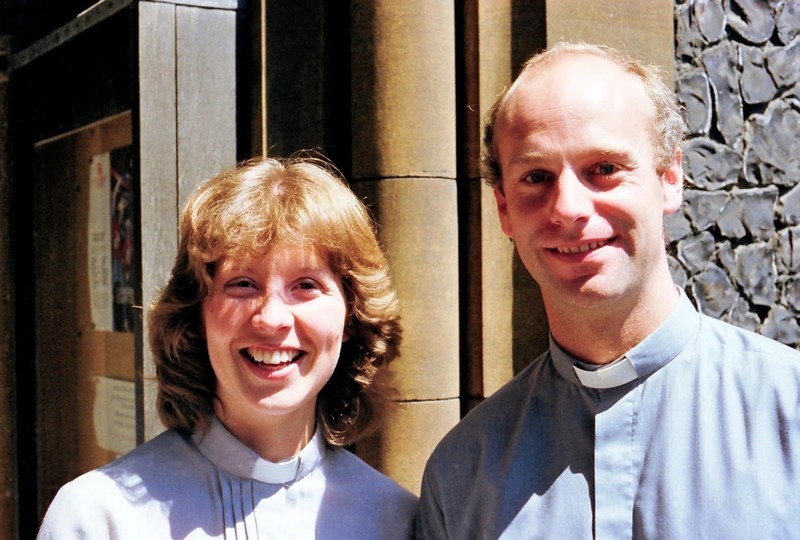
[{"x": 115, "y": 414}]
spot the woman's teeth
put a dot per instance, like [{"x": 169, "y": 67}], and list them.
[{"x": 271, "y": 357}]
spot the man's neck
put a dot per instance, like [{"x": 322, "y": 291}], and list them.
[{"x": 601, "y": 334}]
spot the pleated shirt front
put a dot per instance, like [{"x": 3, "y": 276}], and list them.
[{"x": 212, "y": 486}]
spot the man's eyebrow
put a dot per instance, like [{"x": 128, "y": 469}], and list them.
[
  {"x": 616, "y": 152},
  {"x": 535, "y": 156},
  {"x": 527, "y": 157}
]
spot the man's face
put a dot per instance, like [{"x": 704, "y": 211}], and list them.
[{"x": 580, "y": 194}]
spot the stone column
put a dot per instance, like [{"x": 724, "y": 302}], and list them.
[
  {"x": 506, "y": 325},
  {"x": 403, "y": 147},
  {"x": 644, "y": 29}
]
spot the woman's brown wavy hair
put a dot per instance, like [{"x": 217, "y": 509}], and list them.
[{"x": 298, "y": 201}]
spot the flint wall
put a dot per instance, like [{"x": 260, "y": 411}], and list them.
[{"x": 735, "y": 246}]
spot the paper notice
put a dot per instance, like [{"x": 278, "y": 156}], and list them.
[
  {"x": 100, "y": 284},
  {"x": 115, "y": 414}
]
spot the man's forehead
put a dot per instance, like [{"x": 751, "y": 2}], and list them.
[
  {"x": 576, "y": 72},
  {"x": 576, "y": 80}
]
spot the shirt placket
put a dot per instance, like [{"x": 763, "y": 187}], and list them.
[{"x": 614, "y": 474}]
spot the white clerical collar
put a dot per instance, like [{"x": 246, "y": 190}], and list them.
[
  {"x": 220, "y": 447},
  {"x": 617, "y": 373}
]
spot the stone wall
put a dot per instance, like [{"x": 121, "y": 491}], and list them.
[{"x": 735, "y": 247}]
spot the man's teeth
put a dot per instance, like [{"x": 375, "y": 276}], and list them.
[
  {"x": 581, "y": 249},
  {"x": 272, "y": 358}
]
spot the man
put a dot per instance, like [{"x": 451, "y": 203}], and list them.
[{"x": 645, "y": 419}]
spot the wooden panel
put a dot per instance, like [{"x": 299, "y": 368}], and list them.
[
  {"x": 56, "y": 319},
  {"x": 206, "y": 95},
  {"x": 187, "y": 133},
  {"x": 7, "y": 447},
  {"x": 158, "y": 172},
  {"x": 221, "y": 4}
]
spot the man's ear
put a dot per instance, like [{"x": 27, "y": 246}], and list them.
[
  {"x": 672, "y": 183},
  {"x": 502, "y": 211}
]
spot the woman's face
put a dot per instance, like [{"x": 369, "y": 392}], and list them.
[{"x": 274, "y": 326}]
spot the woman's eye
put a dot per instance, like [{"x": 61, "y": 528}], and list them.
[
  {"x": 307, "y": 285},
  {"x": 239, "y": 286}
]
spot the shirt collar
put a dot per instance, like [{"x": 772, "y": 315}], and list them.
[
  {"x": 654, "y": 352},
  {"x": 225, "y": 451}
]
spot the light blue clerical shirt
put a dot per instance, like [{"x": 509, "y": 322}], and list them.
[
  {"x": 213, "y": 486},
  {"x": 694, "y": 433}
]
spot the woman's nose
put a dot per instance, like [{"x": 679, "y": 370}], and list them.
[{"x": 273, "y": 313}]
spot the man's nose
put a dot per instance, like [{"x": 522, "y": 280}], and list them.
[
  {"x": 571, "y": 199},
  {"x": 273, "y": 313}
]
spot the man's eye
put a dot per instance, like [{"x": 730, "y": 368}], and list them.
[
  {"x": 606, "y": 169},
  {"x": 536, "y": 177}
]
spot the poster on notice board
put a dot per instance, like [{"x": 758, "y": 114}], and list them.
[{"x": 111, "y": 241}]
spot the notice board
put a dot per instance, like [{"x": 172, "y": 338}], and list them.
[{"x": 88, "y": 323}]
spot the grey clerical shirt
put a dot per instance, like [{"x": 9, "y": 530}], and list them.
[{"x": 694, "y": 433}]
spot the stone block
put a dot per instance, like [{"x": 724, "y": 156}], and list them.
[
  {"x": 781, "y": 325},
  {"x": 753, "y": 20},
  {"x": 713, "y": 291},
  {"x": 726, "y": 256},
  {"x": 755, "y": 273},
  {"x": 402, "y": 448},
  {"x": 418, "y": 226},
  {"x": 788, "y": 21},
  {"x": 694, "y": 92},
  {"x": 722, "y": 63},
  {"x": 791, "y": 293},
  {"x": 710, "y": 165},
  {"x": 676, "y": 226},
  {"x": 740, "y": 314},
  {"x": 703, "y": 208},
  {"x": 757, "y": 84},
  {"x": 679, "y": 275},
  {"x": 772, "y": 136},
  {"x": 711, "y": 19},
  {"x": 695, "y": 252},
  {"x": 790, "y": 205},
  {"x": 783, "y": 63},
  {"x": 403, "y": 89},
  {"x": 758, "y": 211},
  {"x": 688, "y": 39},
  {"x": 729, "y": 221}
]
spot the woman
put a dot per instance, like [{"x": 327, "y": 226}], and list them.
[{"x": 269, "y": 342}]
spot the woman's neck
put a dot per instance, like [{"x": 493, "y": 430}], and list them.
[{"x": 274, "y": 438}]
